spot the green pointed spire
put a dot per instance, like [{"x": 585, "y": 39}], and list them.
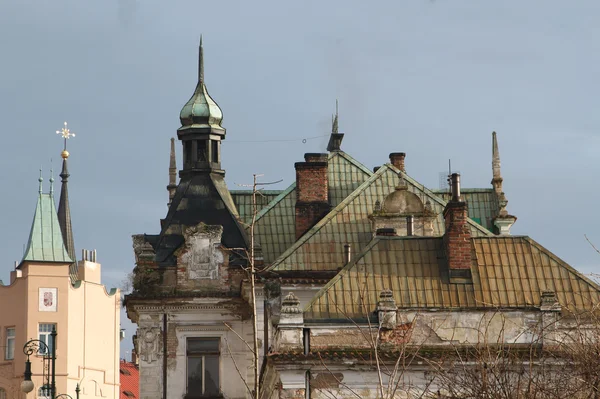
[{"x": 45, "y": 239}]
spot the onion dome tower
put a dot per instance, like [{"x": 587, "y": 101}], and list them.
[{"x": 201, "y": 195}]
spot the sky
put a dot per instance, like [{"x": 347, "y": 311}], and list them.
[{"x": 432, "y": 78}]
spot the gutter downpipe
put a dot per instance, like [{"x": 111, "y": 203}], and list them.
[{"x": 165, "y": 355}]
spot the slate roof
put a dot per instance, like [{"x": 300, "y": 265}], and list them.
[
  {"x": 322, "y": 247},
  {"x": 45, "y": 239},
  {"x": 507, "y": 272},
  {"x": 200, "y": 197},
  {"x": 275, "y": 227}
]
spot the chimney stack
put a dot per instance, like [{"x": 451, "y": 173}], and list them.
[
  {"x": 312, "y": 191},
  {"x": 397, "y": 159},
  {"x": 457, "y": 238}
]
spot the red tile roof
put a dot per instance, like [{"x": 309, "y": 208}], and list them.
[{"x": 130, "y": 380}]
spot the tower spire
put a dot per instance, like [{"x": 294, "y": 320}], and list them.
[
  {"x": 172, "y": 172},
  {"x": 200, "y": 62},
  {"x": 503, "y": 221},
  {"x": 496, "y": 174},
  {"x": 64, "y": 210}
]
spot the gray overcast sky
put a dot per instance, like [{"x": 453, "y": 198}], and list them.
[{"x": 431, "y": 78}]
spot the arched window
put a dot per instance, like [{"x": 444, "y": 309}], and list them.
[
  {"x": 44, "y": 392},
  {"x": 2, "y": 393}
]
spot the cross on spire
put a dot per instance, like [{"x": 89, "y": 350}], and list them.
[{"x": 66, "y": 134}]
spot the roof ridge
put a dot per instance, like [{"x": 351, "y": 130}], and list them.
[
  {"x": 372, "y": 179},
  {"x": 275, "y": 201},
  {"x": 313, "y": 230},
  {"x": 353, "y": 161}
]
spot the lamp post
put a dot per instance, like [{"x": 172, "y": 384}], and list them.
[{"x": 37, "y": 346}]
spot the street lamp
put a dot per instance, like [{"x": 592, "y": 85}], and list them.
[{"x": 36, "y": 346}]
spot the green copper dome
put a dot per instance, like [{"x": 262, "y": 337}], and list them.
[{"x": 201, "y": 111}]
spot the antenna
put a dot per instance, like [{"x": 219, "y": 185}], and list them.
[{"x": 444, "y": 177}]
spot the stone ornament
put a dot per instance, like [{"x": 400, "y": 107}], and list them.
[{"x": 148, "y": 343}]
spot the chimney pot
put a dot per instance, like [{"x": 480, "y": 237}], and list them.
[
  {"x": 410, "y": 221},
  {"x": 456, "y": 187},
  {"x": 315, "y": 157},
  {"x": 347, "y": 253},
  {"x": 397, "y": 159}
]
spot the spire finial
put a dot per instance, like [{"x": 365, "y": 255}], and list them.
[
  {"x": 40, "y": 179},
  {"x": 334, "y": 124},
  {"x": 51, "y": 179},
  {"x": 496, "y": 174},
  {"x": 201, "y": 62},
  {"x": 66, "y": 134}
]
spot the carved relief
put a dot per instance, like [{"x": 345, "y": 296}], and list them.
[
  {"x": 202, "y": 254},
  {"x": 148, "y": 342}
]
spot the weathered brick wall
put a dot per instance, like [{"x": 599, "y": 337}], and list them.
[
  {"x": 312, "y": 190},
  {"x": 457, "y": 239}
]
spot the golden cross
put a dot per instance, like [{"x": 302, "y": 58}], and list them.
[{"x": 66, "y": 134}]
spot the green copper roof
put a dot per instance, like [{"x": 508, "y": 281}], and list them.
[{"x": 45, "y": 240}]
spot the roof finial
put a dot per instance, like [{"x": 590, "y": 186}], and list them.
[
  {"x": 335, "y": 140},
  {"x": 66, "y": 134},
  {"x": 51, "y": 178},
  {"x": 40, "y": 179},
  {"x": 334, "y": 125},
  {"x": 496, "y": 175},
  {"x": 201, "y": 62}
]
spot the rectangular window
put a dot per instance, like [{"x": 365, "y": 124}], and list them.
[
  {"x": 203, "y": 367},
  {"x": 215, "y": 151},
  {"x": 10, "y": 344},
  {"x": 202, "y": 151},
  {"x": 44, "y": 335}
]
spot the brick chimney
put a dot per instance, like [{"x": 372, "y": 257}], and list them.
[
  {"x": 312, "y": 191},
  {"x": 397, "y": 159},
  {"x": 457, "y": 238}
]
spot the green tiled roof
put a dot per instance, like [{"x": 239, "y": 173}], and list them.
[
  {"x": 275, "y": 227},
  {"x": 483, "y": 204},
  {"x": 45, "y": 240},
  {"x": 322, "y": 247},
  {"x": 508, "y": 272}
]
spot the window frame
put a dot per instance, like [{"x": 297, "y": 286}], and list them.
[
  {"x": 12, "y": 338},
  {"x": 202, "y": 354},
  {"x": 47, "y": 336}
]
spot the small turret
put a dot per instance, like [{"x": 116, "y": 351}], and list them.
[{"x": 201, "y": 131}]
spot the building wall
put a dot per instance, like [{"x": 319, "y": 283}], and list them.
[{"x": 42, "y": 293}]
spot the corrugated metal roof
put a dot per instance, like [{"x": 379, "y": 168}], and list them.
[
  {"x": 322, "y": 247},
  {"x": 508, "y": 272},
  {"x": 45, "y": 239},
  {"x": 275, "y": 227}
]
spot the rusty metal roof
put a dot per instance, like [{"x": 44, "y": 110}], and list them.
[
  {"x": 508, "y": 272},
  {"x": 322, "y": 247}
]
